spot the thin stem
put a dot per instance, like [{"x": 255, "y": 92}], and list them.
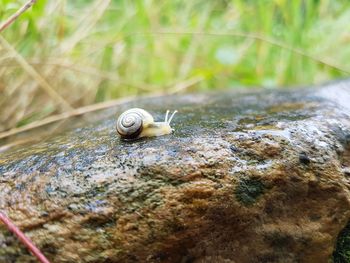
[
  {"x": 23, "y": 238},
  {"x": 254, "y": 36},
  {"x": 20, "y": 11}
]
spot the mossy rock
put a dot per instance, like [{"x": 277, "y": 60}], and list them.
[
  {"x": 342, "y": 249},
  {"x": 252, "y": 176}
]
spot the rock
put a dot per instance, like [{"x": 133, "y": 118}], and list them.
[{"x": 254, "y": 176}]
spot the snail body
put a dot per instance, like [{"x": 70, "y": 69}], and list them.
[{"x": 136, "y": 123}]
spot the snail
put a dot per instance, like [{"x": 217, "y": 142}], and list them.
[{"x": 137, "y": 123}]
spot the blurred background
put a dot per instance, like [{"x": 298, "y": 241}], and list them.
[{"x": 61, "y": 55}]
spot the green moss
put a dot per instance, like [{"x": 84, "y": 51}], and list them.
[
  {"x": 342, "y": 249},
  {"x": 248, "y": 190}
]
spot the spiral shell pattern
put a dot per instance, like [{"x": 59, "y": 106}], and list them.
[{"x": 129, "y": 124}]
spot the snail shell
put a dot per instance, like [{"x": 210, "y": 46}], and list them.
[{"x": 131, "y": 123}]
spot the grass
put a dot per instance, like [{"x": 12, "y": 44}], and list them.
[{"x": 65, "y": 54}]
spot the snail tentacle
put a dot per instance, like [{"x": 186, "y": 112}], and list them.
[
  {"x": 166, "y": 116},
  {"x": 171, "y": 117}
]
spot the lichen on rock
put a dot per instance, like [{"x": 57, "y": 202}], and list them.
[{"x": 248, "y": 190}]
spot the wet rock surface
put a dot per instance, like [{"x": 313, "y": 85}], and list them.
[{"x": 260, "y": 176}]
